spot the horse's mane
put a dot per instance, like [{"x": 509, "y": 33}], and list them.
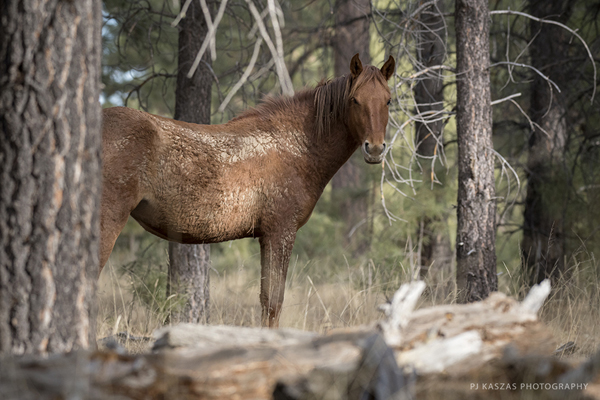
[{"x": 330, "y": 99}]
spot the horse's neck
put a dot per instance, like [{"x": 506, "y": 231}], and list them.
[
  {"x": 339, "y": 147},
  {"x": 295, "y": 131},
  {"x": 330, "y": 152}
]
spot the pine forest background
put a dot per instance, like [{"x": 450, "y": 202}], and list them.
[{"x": 402, "y": 223}]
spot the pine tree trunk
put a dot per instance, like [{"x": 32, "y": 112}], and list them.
[
  {"x": 189, "y": 265},
  {"x": 50, "y": 175},
  {"x": 350, "y": 190},
  {"x": 436, "y": 253},
  {"x": 543, "y": 233},
  {"x": 429, "y": 91},
  {"x": 476, "y": 231}
]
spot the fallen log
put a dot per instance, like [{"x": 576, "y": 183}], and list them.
[
  {"x": 459, "y": 337},
  {"x": 449, "y": 351}
]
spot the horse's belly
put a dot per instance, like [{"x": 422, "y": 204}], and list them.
[
  {"x": 233, "y": 216},
  {"x": 223, "y": 222}
]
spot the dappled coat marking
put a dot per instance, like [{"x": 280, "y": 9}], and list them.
[{"x": 259, "y": 175}]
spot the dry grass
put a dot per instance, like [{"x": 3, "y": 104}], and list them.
[
  {"x": 573, "y": 309},
  {"x": 348, "y": 298}
]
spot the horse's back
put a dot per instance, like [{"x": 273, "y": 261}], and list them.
[
  {"x": 203, "y": 183},
  {"x": 122, "y": 125}
]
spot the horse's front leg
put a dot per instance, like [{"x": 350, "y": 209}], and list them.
[{"x": 275, "y": 251}]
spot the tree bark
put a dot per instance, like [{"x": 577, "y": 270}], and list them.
[
  {"x": 476, "y": 231},
  {"x": 189, "y": 265},
  {"x": 429, "y": 91},
  {"x": 543, "y": 230},
  {"x": 50, "y": 175},
  {"x": 349, "y": 186},
  {"x": 436, "y": 251}
]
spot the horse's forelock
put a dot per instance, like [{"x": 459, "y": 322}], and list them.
[{"x": 368, "y": 74}]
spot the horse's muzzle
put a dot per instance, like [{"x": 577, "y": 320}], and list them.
[{"x": 373, "y": 154}]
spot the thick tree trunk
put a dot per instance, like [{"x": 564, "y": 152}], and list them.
[
  {"x": 50, "y": 176},
  {"x": 350, "y": 190},
  {"x": 436, "y": 253},
  {"x": 189, "y": 265},
  {"x": 543, "y": 231},
  {"x": 476, "y": 231}
]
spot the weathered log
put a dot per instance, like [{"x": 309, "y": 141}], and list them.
[
  {"x": 355, "y": 359},
  {"x": 458, "y": 337},
  {"x": 439, "y": 351}
]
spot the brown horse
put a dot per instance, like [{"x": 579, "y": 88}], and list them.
[{"x": 259, "y": 175}]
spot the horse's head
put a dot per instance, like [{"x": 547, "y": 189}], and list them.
[{"x": 368, "y": 106}]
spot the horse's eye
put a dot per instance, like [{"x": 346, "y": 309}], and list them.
[
  {"x": 354, "y": 100},
  {"x": 389, "y": 102}
]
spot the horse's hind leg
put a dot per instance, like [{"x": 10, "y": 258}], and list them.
[
  {"x": 114, "y": 212},
  {"x": 275, "y": 251},
  {"x": 111, "y": 225}
]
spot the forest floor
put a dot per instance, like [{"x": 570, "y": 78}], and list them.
[{"x": 133, "y": 300}]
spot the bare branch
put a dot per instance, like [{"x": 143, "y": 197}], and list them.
[
  {"x": 429, "y": 69},
  {"x": 209, "y": 24},
  {"x": 279, "y": 42},
  {"x": 181, "y": 14},
  {"x": 551, "y": 22},
  {"x": 209, "y": 36},
  {"x": 284, "y": 77},
  {"x": 244, "y": 77},
  {"x": 550, "y": 81},
  {"x": 507, "y": 164},
  {"x": 512, "y": 96}
]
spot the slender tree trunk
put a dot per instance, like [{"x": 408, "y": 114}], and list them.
[
  {"x": 436, "y": 252},
  {"x": 50, "y": 177},
  {"x": 543, "y": 231},
  {"x": 429, "y": 91},
  {"x": 189, "y": 265},
  {"x": 350, "y": 190},
  {"x": 476, "y": 231}
]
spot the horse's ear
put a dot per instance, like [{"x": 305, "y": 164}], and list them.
[
  {"x": 388, "y": 68},
  {"x": 355, "y": 66}
]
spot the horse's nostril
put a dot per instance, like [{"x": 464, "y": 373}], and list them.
[{"x": 367, "y": 147}]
